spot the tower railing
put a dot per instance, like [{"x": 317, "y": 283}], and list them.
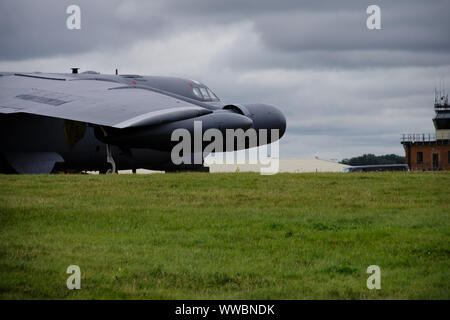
[{"x": 425, "y": 137}]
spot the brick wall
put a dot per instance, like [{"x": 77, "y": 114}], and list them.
[{"x": 427, "y": 150}]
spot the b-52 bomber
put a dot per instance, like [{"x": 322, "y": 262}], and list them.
[{"x": 74, "y": 122}]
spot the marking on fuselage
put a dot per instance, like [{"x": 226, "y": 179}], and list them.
[{"x": 44, "y": 100}]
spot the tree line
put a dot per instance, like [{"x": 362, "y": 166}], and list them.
[{"x": 368, "y": 159}]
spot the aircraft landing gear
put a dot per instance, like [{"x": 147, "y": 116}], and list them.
[{"x": 110, "y": 160}]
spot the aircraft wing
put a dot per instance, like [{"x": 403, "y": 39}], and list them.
[{"x": 98, "y": 102}]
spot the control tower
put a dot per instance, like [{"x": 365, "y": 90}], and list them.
[
  {"x": 431, "y": 151},
  {"x": 442, "y": 119}
]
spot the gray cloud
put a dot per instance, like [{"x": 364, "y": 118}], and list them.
[
  {"x": 31, "y": 29},
  {"x": 321, "y": 32}
]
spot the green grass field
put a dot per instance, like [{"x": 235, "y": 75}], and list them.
[{"x": 225, "y": 236}]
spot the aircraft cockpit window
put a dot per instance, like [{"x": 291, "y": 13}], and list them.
[
  {"x": 197, "y": 92},
  {"x": 205, "y": 94},
  {"x": 212, "y": 95}
]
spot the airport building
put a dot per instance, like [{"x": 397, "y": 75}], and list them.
[
  {"x": 285, "y": 165},
  {"x": 431, "y": 151}
]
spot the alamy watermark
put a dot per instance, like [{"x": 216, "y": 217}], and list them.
[
  {"x": 73, "y": 21},
  {"x": 374, "y": 280},
  {"x": 262, "y": 145},
  {"x": 74, "y": 280},
  {"x": 373, "y": 21}
]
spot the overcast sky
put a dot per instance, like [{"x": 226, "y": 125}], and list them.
[{"x": 344, "y": 89}]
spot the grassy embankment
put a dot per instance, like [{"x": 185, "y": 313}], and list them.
[{"x": 226, "y": 236}]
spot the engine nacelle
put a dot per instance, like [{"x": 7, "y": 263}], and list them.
[
  {"x": 264, "y": 116},
  {"x": 239, "y": 108}
]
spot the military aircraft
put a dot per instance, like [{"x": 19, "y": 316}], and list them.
[{"x": 74, "y": 122}]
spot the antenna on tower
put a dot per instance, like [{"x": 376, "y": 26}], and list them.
[
  {"x": 443, "y": 93},
  {"x": 435, "y": 96},
  {"x": 441, "y": 100}
]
